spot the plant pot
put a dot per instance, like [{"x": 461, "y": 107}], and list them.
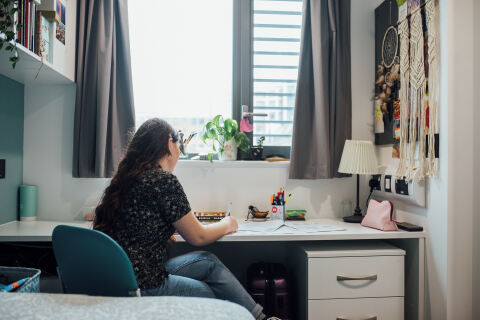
[
  {"x": 257, "y": 153},
  {"x": 229, "y": 151}
]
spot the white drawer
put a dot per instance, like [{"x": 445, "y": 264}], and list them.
[
  {"x": 327, "y": 277},
  {"x": 356, "y": 309}
]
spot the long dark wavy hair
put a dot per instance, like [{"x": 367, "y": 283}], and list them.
[{"x": 147, "y": 146}]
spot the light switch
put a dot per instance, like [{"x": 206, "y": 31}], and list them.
[{"x": 388, "y": 183}]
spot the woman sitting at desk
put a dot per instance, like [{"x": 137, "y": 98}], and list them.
[{"x": 141, "y": 209}]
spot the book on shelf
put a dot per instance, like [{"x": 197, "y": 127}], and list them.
[
  {"x": 42, "y": 48},
  {"x": 33, "y": 21}
]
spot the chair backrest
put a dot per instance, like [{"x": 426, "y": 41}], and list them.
[{"x": 90, "y": 262}]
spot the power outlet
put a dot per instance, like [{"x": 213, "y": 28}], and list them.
[
  {"x": 401, "y": 187},
  {"x": 376, "y": 182},
  {"x": 2, "y": 168}
]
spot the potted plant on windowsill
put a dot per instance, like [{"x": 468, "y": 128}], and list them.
[
  {"x": 225, "y": 137},
  {"x": 257, "y": 151}
]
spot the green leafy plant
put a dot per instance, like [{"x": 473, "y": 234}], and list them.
[
  {"x": 220, "y": 131},
  {"x": 257, "y": 151},
  {"x": 260, "y": 142},
  {"x": 8, "y": 8}
]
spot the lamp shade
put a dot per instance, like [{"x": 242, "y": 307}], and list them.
[{"x": 358, "y": 157}]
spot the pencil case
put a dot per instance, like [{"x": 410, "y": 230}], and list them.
[
  {"x": 9, "y": 275},
  {"x": 296, "y": 214}
]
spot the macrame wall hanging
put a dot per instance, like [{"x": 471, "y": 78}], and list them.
[
  {"x": 418, "y": 88},
  {"x": 404, "y": 32},
  {"x": 418, "y": 108}
]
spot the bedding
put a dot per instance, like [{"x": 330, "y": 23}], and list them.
[{"x": 73, "y": 307}]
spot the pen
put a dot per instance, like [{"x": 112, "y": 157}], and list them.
[
  {"x": 229, "y": 208},
  {"x": 288, "y": 197},
  {"x": 190, "y": 137}
]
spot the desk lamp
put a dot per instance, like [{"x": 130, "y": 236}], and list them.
[{"x": 358, "y": 158}]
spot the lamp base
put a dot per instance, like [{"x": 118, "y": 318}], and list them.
[{"x": 356, "y": 218}]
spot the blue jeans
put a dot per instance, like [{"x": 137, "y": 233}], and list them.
[{"x": 202, "y": 274}]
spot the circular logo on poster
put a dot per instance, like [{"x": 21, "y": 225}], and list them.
[{"x": 274, "y": 209}]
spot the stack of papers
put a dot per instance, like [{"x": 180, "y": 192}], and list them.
[{"x": 288, "y": 227}]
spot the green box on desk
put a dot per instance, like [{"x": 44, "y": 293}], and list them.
[{"x": 297, "y": 214}]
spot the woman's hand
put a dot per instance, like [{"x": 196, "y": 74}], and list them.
[
  {"x": 199, "y": 235},
  {"x": 232, "y": 224}
]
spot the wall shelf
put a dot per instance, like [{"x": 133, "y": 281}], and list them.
[{"x": 30, "y": 69}]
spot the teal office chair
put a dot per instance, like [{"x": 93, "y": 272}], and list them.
[{"x": 90, "y": 262}]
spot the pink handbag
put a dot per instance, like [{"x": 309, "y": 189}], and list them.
[{"x": 380, "y": 216}]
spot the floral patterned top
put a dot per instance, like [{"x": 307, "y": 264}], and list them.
[{"x": 153, "y": 203}]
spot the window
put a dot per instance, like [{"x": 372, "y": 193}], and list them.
[
  {"x": 194, "y": 59},
  {"x": 182, "y": 62},
  {"x": 276, "y": 47}
]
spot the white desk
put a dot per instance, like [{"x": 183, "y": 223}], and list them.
[
  {"x": 34, "y": 231},
  {"x": 412, "y": 242}
]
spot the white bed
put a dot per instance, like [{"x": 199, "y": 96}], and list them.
[{"x": 73, "y": 307}]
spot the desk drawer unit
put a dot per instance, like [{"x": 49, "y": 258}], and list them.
[
  {"x": 354, "y": 281},
  {"x": 355, "y": 277},
  {"x": 357, "y": 309}
]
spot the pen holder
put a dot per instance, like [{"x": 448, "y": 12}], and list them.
[{"x": 278, "y": 212}]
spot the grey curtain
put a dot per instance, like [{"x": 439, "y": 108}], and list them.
[
  {"x": 323, "y": 106},
  {"x": 104, "y": 113}
]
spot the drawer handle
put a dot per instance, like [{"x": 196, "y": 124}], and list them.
[
  {"x": 368, "y": 318},
  {"x": 369, "y": 277}
]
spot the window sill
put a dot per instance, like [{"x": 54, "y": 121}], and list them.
[{"x": 232, "y": 164}]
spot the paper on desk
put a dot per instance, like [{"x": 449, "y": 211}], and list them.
[
  {"x": 266, "y": 226},
  {"x": 284, "y": 230},
  {"x": 310, "y": 227},
  {"x": 279, "y": 227},
  {"x": 281, "y": 230}
]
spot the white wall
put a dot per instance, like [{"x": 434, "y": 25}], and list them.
[
  {"x": 64, "y": 55},
  {"x": 461, "y": 165},
  {"x": 48, "y": 152},
  {"x": 476, "y": 223},
  {"x": 49, "y": 135}
]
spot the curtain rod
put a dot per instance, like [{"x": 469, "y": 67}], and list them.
[{"x": 408, "y": 15}]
